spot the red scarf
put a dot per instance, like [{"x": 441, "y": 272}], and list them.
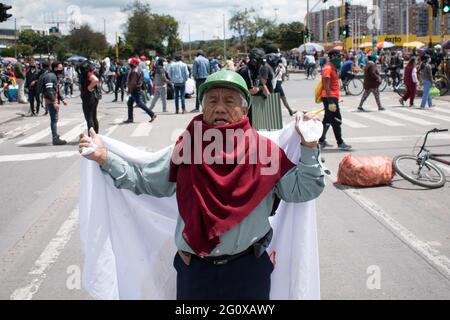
[{"x": 214, "y": 198}]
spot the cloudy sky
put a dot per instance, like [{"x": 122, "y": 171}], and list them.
[{"x": 204, "y": 17}]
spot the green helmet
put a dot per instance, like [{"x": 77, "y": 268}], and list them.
[{"x": 222, "y": 79}]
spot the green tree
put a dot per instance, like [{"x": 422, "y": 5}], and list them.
[
  {"x": 84, "y": 41},
  {"x": 286, "y": 35},
  {"x": 145, "y": 30}
]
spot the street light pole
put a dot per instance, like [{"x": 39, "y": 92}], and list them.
[
  {"x": 224, "y": 40},
  {"x": 15, "y": 38}
]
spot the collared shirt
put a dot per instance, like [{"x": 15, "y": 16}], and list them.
[
  {"x": 201, "y": 68},
  {"x": 178, "y": 72},
  {"x": 302, "y": 183}
]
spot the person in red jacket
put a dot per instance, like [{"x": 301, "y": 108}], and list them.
[{"x": 411, "y": 80}]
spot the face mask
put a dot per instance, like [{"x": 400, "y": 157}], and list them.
[{"x": 336, "y": 63}]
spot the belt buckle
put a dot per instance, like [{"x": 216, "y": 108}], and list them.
[{"x": 220, "y": 262}]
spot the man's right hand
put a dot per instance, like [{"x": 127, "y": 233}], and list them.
[
  {"x": 99, "y": 155},
  {"x": 254, "y": 91}
]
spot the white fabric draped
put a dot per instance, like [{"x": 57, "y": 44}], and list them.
[{"x": 128, "y": 240}]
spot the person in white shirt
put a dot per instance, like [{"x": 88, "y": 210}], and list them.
[
  {"x": 310, "y": 64},
  {"x": 69, "y": 78},
  {"x": 280, "y": 71}
]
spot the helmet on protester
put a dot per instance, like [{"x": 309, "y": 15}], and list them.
[
  {"x": 143, "y": 58},
  {"x": 438, "y": 47},
  {"x": 133, "y": 61},
  {"x": 225, "y": 79}
]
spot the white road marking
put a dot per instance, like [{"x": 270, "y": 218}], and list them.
[
  {"x": 73, "y": 134},
  {"x": 110, "y": 130},
  {"x": 376, "y": 139},
  {"x": 429, "y": 114},
  {"x": 41, "y": 134},
  {"x": 47, "y": 258},
  {"x": 19, "y": 131},
  {"x": 37, "y": 156},
  {"x": 404, "y": 117},
  {"x": 380, "y": 119},
  {"x": 353, "y": 124},
  {"x": 142, "y": 130},
  {"x": 443, "y": 110},
  {"x": 431, "y": 255}
]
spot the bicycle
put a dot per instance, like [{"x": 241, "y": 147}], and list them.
[
  {"x": 419, "y": 170},
  {"x": 353, "y": 87}
]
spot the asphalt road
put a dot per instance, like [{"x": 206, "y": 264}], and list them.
[{"x": 389, "y": 242}]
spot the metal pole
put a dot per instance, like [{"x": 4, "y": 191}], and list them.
[
  {"x": 307, "y": 15},
  {"x": 104, "y": 27},
  {"x": 117, "y": 46},
  {"x": 15, "y": 38},
  {"x": 190, "y": 48},
  {"x": 430, "y": 25},
  {"x": 407, "y": 21},
  {"x": 224, "y": 40},
  {"x": 442, "y": 23}
]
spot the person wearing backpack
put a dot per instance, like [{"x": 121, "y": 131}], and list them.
[
  {"x": 52, "y": 97},
  {"x": 89, "y": 92}
]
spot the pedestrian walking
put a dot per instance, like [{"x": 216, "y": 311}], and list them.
[
  {"x": 135, "y": 85},
  {"x": 89, "y": 94},
  {"x": 426, "y": 75},
  {"x": 31, "y": 84},
  {"x": 19, "y": 74},
  {"x": 179, "y": 74},
  {"x": 330, "y": 99},
  {"x": 372, "y": 81},
  {"x": 200, "y": 71},
  {"x": 121, "y": 81},
  {"x": 278, "y": 78},
  {"x": 69, "y": 78},
  {"x": 411, "y": 80},
  {"x": 52, "y": 98},
  {"x": 161, "y": 81}
]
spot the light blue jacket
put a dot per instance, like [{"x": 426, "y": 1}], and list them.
[
  {"x": 178, "y": 72},
  {"x": 201, "y": 69}
]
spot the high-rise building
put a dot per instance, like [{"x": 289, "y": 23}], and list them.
[{"x": 357, "y": 22}]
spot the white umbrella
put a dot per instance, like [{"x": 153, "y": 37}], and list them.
[{"x": 310, "y": 48}]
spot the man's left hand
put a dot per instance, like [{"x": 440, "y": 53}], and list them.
[{"x": 306, "y": 116}]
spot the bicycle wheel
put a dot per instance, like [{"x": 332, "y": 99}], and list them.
[
  {"x": 400, "y": 89},
  {"x": 105, "y": 87},
  {"x": 355, "y": 87},
  {"x": 383, "y": 84},
  {"x": 442, "y": 83},
  {"x": 428, "y": 175}
]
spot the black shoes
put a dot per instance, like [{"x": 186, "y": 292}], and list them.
[
  {"x": 324, "y": 144},
  {"x": 128, "y": 121},
  {"x": 153, "y": 118},
  {"x": 58, "y": 142},
  {"x": 344, "y": 147},
  {"x": 292, "y": 112}
]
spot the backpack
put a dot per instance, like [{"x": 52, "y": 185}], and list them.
[{"x": 40, "y": 84}]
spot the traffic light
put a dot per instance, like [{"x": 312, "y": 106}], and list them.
[
  {"x": 434, "y": 6},
  {"x": 445, "y": 6},
  {"x": 307, "y": 34},
  {"x": 347, "y": 10},
  {"x": 4, "y": 15}
]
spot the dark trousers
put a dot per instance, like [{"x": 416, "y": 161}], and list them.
[
  {"x": 120, "y": 85},
  {"x": 137, "y": 96},
  {"x": 180, "y": 90},
  {"x": 32, "y": 98},
  {"x": 53, "y": 119},
  {"x": 90, "y": 104},
  {"x": 68, "y": 85},
  {"x": 198, "y": 83},
  {"x": 332, "y": 118},
  {"x": 246, "y": 278},
  {"x": 411, "y": 90}
]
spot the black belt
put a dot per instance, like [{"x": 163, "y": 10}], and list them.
[{"x": 217, "y": 261}]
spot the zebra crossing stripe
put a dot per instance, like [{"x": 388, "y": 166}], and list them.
[
  {"x": 37, "y": 156},
  {"x": 418, "y": 121},
  {"x": 381, "y": 120},
  {"x": 73, "y": 134},
  {"x": 353, "y": 124},
  {"x": 443, "y": 110},
  {"x": 40, "y": 135},
  {"x": 142, "y": 130},
  {"x": 430, "y": 115}
]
